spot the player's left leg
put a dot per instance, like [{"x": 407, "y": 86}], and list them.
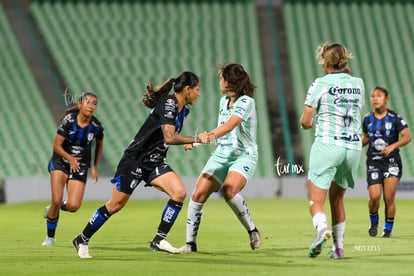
[
  {"x": 171, "y": 184},
  {"x": 232, "y": 185},
  {"x": 76, "y": 190},
  {"x": 390, "y": 189},
  {"x": 58, "y": 179},
  {"x": 336, "y": 200}
]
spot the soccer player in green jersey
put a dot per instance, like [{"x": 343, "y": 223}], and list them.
[
  {"x": 337, "y": 99},
  {"x": 234, "y": 161}
]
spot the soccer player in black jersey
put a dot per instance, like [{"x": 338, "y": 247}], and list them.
[
  {"x": 385, "y": 131},
  {"x": 71, "y": 159},
  {"x": 144, "y": 160}
]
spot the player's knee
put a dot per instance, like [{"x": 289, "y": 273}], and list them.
[
  {"x": 199, "y": 196},
  {"x": 376, "y": 199},
  {"x": 389, "y": 201},
  {"x": 228, "y": 192},
  {"x": 72, "y": 207},
  {"x": 56, "y": 204},
  {"x": 179, "y": 196}
]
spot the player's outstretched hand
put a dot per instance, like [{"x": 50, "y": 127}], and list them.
[{"x": 203, "y": 138}]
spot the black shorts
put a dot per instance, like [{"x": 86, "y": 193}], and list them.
[
  {"x": 378, "y": 170},
  {"x": 130, "y": 173},
  {"x": 61, "y": 165}
]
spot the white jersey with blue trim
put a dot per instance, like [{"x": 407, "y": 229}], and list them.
[
  {"x": 242, "y": 139},
  {"x": 338, "y": 98}
]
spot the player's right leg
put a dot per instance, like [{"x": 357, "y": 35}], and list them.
[
  {"x": 206, "y": 184},
  {"x": 58, "y": 179},
  {"x": 98, "y": 219}
]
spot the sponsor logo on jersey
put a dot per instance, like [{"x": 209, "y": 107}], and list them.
[
  {"x": 169, "y": 105},
  {"x": 137, "y": 173},
  {"x": 76, "y": 150},
  {"x": 379, "y": 144},
  {"x": 394, "y": 171},
  {"x": 334, "y": 91}
]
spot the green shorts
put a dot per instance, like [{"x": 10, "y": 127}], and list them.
[
  {"x": 332, "y": 163},
  {"x": 218, "y": 166}
]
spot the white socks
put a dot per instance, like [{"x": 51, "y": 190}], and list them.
[
  {"x": 319, "y": 221},
  {"x": 239, "y": 207},
  {"x": 195, "y": 211},
  {"x": 338, "y": 234}
]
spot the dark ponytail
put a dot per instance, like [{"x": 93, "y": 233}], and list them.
[{"x": 179, "y": 83}]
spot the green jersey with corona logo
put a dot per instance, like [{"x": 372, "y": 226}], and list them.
[{"x": 338, "y": 98}]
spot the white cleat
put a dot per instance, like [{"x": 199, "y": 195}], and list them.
[
  {"x": 163, "y": 245},
  {"x": 188, "y": 248},
  {"x": 82, "y": 249},
  {"x": 48, "y": 241},
  {"x": 255, "y": 239}
]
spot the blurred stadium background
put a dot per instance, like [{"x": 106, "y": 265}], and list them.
[{"x": 51, "y": 51}]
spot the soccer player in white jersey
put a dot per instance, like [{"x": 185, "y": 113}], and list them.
[
  {"x": 234, "y": 161},
  {"x": 337, "y": 98}
]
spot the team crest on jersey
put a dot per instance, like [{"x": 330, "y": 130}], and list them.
[
  {"x": 90, "y": 136},
  {"x": 133, "y": 184},
  {"x": 388, "y": 126}
]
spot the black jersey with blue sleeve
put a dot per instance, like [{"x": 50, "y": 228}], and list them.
[
  {"x": 382, "y": 132},
  {"x": 148, "y": 146},
  {"x": 78, "y": 140}
]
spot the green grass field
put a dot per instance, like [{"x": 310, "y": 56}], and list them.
[{"x": 121, "y": 246}]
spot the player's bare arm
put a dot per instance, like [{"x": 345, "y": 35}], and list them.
[
  {"x": 225, "y": 128},
  {"x": 306, "y": 120},
  {"x": 173, "y": 138}
]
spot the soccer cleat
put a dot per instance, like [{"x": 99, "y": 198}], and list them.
[
  {"x": 188, "y": 248},
  {"x": 163, "y": 245},
  {"x": 316, "y": 247},
  {"x": 46, "y": 211},
  {"x": 82, "y": 249},
  {"x": 386, "y": 234},
  {"x": 373, "y": 229},
  {"x": 337, "y": 253},
  {"x": 255, "y": 239},
  {"x": 48, "y": 241}
]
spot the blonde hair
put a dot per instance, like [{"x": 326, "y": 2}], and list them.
[{"x": 333, "y": 55}]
